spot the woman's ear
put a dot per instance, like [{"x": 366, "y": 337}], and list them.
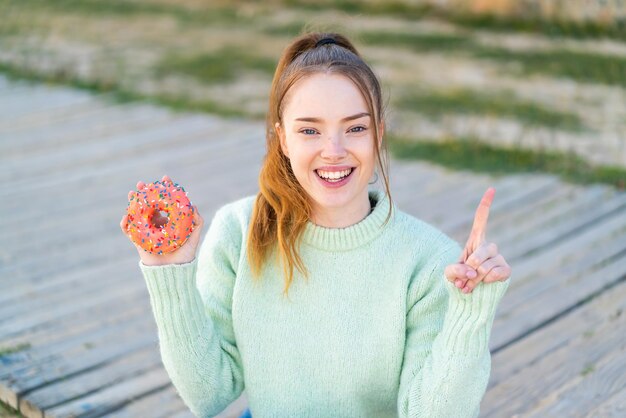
[{"x": 281, "y": 138}]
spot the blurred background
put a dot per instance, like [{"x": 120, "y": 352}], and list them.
[
  {"x": 520, "y": 85},
  {"x": 491, "y": 87}
]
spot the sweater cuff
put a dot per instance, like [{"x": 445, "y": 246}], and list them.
[
  {"x": 470, "y": 316},
  {"x": 176, "y": 303}
]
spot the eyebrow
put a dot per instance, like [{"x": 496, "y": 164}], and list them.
[{"x": 348, "y": 118}]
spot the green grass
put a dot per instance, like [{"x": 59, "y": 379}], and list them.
[
  {"x": 588, "y": 333},
  {"x": 465, "y": 101},
  {"x": 576, "y": 65},
  {"x": 548, "y": 27},
  {"x": 487, "y": 21},
  {"x": 579, "y": 66},
  {"x": 219, "y": 67},
  {"x": 289, "y": 29},
  {"x": 8, "y": 412},
  {"x": 472, "y": 154},
  {"x": 421, "y": 42},
  {"x": 132, "y": 9},
  {"x": 228, "y": 14},
  {"x": 587, "y": 369},
  {"x": 9, "y": 350},
  {"x": 121, "y": 95}
]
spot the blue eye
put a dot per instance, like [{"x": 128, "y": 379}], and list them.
[
  {"x": 362, "y": 127},
  {"x": 303, "y": 131}
]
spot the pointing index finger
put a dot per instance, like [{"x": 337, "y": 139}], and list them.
[{"x": 479, "y": 227}]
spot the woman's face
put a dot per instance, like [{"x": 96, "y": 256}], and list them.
[{"x": 327, "y": 132}]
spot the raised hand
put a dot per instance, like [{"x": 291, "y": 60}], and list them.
[
  {"x": 186, "y": 253},
  {"x": 479, "y": 260}
]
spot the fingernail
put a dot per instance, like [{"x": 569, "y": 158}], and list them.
[
  {"x": 470, "y": 274},
  {"x": 458, "y": 283},
  {"x": 465, "y": 289}
]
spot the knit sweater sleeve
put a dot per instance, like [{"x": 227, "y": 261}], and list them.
[
  {"x": 447, "y": 361},
  {"x": 191, "y": 304}
]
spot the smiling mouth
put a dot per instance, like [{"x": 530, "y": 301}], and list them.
[{"x": 334, "y": 177}]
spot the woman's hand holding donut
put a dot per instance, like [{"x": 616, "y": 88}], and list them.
[
  {"x": 184, "y": 254},
  {"x": 480, "y": 260}
]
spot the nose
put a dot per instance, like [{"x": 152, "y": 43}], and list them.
[{"x": 334, "y": 149}]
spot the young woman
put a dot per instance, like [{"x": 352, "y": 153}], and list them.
[{"x": 317, "y": 295}]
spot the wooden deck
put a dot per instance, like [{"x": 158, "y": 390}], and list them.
[{"x": 72, "y": 296}]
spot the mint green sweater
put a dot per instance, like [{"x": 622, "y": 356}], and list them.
[{"x": 377, "y": 330}]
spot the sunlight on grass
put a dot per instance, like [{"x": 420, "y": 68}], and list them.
[
  {"x": 472, "y": 154},
  {"x": 532, "y": 24},
  {"x": 418, "y": 41},
  {"x": 210, "y": 14},
  {"x": 465, "y": 101},
  {"x": 121, "y": 95},
  {"x": 218, "y": 67},
  {"x": 579, "y": 66},
  {"x": 9, "y": 350}
]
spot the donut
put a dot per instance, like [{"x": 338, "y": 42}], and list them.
[{"x": 149, "y": 205}]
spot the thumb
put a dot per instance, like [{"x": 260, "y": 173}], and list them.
[{"x": 198, "y": 223}]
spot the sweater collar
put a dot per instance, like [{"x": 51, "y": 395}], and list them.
[{"x": 360, "y": 233}]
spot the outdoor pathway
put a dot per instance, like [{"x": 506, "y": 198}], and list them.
[{"x": 72, "y": 292}]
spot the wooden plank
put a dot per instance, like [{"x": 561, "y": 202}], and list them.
[
  {"x": 98, "y": 214},
  {"x": 527, "y": 244},
  {"x": 69, "y": 359},
  {"x": 558, "y": 206},
  {"x": 194, "y": 153},
  {"x": 110, "y": 191},
  {"x": 9, "y": 328},
  {"x": 583, "y": 321},
  {"x": 26, "y": 185},
  {"x": 576, "y": 245},
  {"x": 454, "y": 214},
  {"x": 60, "y": 243},
  {"x": 532, "y": 186},
  {"x": 519, "y": 215},
  {"x": 544, "y": 307},
  {"x": 39, "y": 99},
  {"x": 614, "y": 407},
  {"x": 81, "y": 353},
  {"x": 22, "y": 364},
  {"x": 79, "y": 288},
  {"x": 37, "y": 121},
  {"x": 113, "y": 397},
  {"x": 33, "y": 272},
  {"x": 446, "y": 202},
  {"x": 160, "y": 404},
  {"x": 96, "y": 318},
  {"x": 95, "y": 125},
  {"x": 38, "y": 285},
  {"x": 52, "y": 348},
  {"x": 83, "y": 384},
  {"x": 419, "y": 199},
  {"x": 100, "y": 184},
  {"x": 595, "y": 383},
  {"x": 150, "y": 134},
  {"x": 519, "y": 392},
  {"x": 531, "y": 299},
  {"x": 185, "y": 413}
]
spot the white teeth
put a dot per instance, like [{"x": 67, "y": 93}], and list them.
[{"x": 334, "y": 174}]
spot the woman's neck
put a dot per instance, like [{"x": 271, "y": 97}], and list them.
[{"x": 343, "y": 217}]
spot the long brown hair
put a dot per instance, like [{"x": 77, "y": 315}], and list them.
[{"x": 282, "y": 207}]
